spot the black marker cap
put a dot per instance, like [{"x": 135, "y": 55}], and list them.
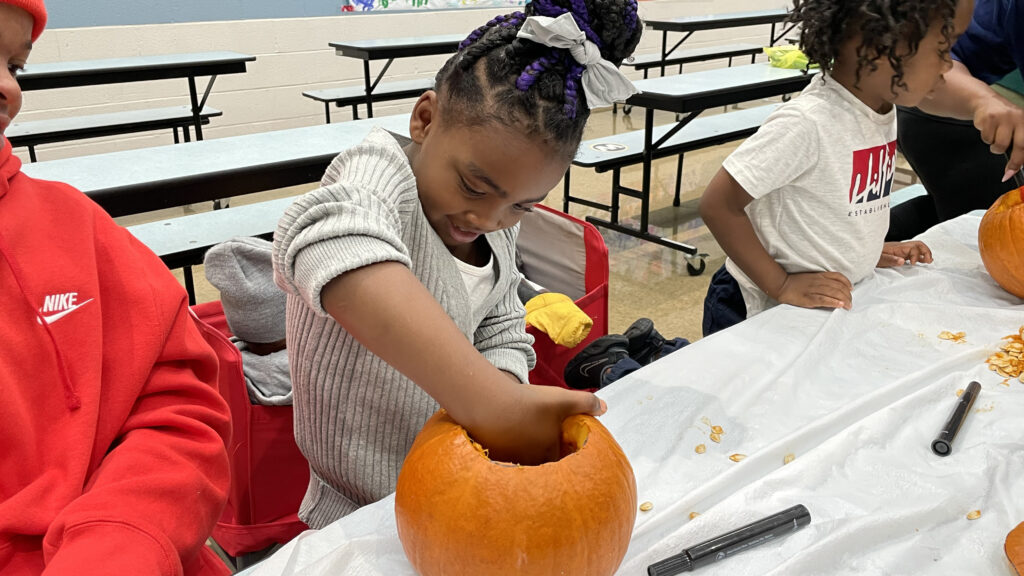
[{"x": 672, "y": 565}]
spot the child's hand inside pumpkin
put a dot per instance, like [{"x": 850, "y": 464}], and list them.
[{"x": 528, "y": 428}]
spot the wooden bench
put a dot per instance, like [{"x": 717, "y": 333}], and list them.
[
  {"x": 355, "y": 95},
  {"x": 621, "y": 150},
  {"x": 36, "y": 132},
  {"x": 647, "y": 61}
]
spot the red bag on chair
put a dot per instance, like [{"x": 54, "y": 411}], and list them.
[
  {"x": 567, "y": 255},
  {"x": 269, "y": 474}
]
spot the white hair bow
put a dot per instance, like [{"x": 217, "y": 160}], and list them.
[{"x": 603, "y": 83}]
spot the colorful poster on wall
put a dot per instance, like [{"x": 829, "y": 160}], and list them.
[{"x": 378, "y": 5}]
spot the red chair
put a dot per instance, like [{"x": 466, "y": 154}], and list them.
[
  {"x": 567, "y": 255},
  {"x": 269, "y": 474}
]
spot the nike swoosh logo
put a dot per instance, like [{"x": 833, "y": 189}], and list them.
[
  {"x": 585, "y": 368},
  {"x": 54, "y": 317}
]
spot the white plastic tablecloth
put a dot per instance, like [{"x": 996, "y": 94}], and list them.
[{"x": 856, "y": 396}]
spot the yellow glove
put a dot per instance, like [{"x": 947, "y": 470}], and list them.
[
  {"x": 787, "y": 57},
  {"x": 559, "y": 317}
]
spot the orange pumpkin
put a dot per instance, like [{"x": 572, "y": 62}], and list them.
[
  {"x": 460, "y": 513},
  {"x": 1015, "y": 548},
  {"x": 1001, "y": 241}
]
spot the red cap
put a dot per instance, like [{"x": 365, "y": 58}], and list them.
[{"x": 36, "y": 9}]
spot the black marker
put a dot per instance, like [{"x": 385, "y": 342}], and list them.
[
  {"x": 943, "y": 445},
  {"x": 765, "y": 530}
]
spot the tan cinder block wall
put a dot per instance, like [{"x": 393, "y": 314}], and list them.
[{"x": 292, "y": 55}]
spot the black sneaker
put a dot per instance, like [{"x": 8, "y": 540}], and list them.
[
  {"x": 584, "y": 371},
  {"x": 644, "y": 341}
]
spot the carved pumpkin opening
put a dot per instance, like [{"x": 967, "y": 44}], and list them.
[
  {"x": 459, "y": 513},
  {"x": 574, "y": 438}
]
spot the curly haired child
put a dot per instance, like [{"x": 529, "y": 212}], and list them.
[{"x": 801, "y": 208}]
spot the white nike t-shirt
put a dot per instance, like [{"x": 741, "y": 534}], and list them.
[
  {"x": 820, "y": 170},
  {"x": 479, "y": 282}
]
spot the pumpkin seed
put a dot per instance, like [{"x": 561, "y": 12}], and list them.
[
  {"x": 788, "y": 458},
  {"x": 957, "y": 337},
  {"x": 1009, "y": 361},
  {"x": 717, "y": 430},
  {"x": 646, "y": 507},
  {"x": 737, "y": 457},
  {"x": 959, "y": 392},
  {"x": 700, "y": 449},
  {"x": 715, "y": 437},
  {"x": 974, "y": 514},
  {"x": 694, "y": 515}
]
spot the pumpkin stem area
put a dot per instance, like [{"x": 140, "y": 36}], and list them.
[
  {"x": 575, "y": 433},
  {"x": 1009, "y": 201}
]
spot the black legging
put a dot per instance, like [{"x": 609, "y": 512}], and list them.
[{"x": 957, "y": 169}]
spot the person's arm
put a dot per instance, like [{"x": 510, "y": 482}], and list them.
[
  {"x": 152, "y": 502},
  {"x": 983, "y": 55},
  {"x": 340, "y": 249},
  {"x": 999, "y": 122},
  {"x": 722, "y": 209},
  {"x": 392, "y": 314}
]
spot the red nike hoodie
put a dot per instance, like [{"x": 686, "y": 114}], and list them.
[{"x": 112, "y": 432}]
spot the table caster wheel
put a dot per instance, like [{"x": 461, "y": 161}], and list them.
[{"x": 699, "y": 268}]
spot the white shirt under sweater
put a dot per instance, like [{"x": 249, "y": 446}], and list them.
[
  {"x": 479, "y": 281},
  {"x": 820, "y": 171}
]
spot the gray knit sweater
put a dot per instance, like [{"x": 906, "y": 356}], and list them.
[{"x": 355, "y": 415}]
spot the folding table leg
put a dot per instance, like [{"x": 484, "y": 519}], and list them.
[
  {"x": 32, "y": 153},
  {"x": 196, "y": 110},
  {"x": 679, "y": 180},
  {"x": 614, "y": 217},
  {"x": 369, "y": 89},
  {"x": 190, "y": 287},
  {"x": 664, "y": 50},
  {"x": 695, "y": 260},
  {"x": 565, "y": 191}
]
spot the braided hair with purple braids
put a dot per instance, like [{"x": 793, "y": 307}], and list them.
[{"x": 498, "y": 78}]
